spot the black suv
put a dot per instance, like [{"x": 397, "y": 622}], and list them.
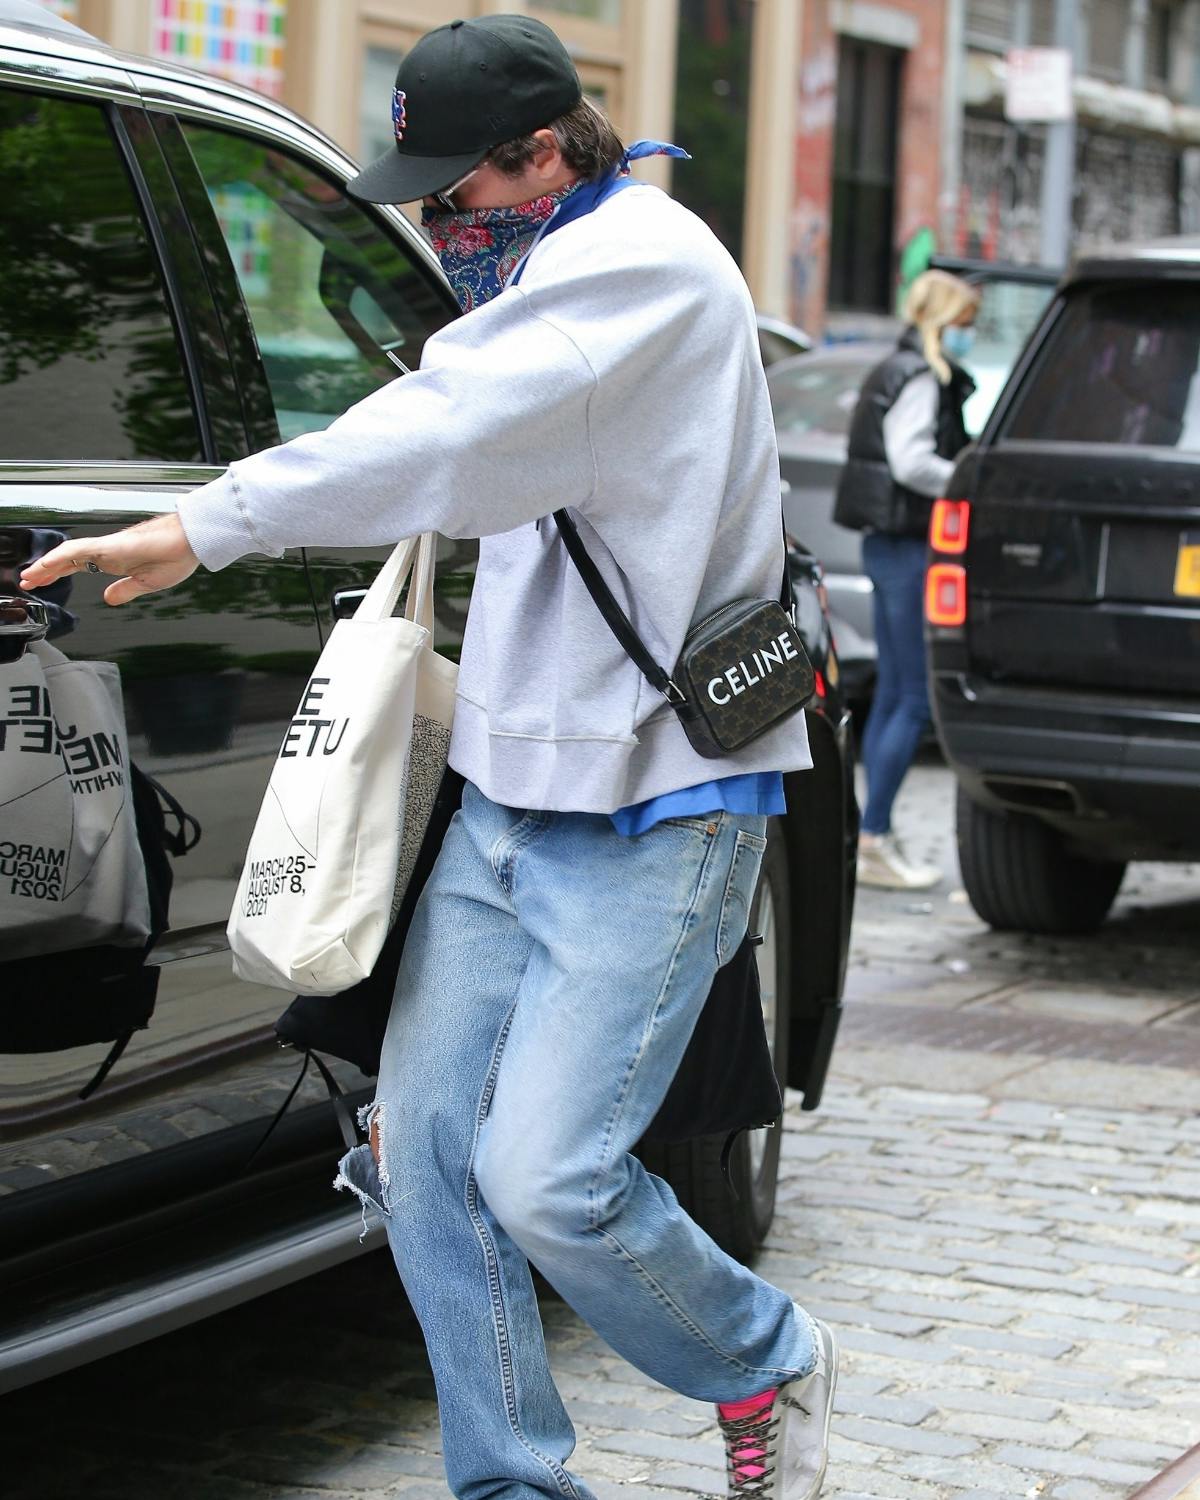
[
  {"x": 1063, "y": 600},
  {"x": 185, "y": 282}
]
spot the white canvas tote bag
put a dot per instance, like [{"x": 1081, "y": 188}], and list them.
[
  {"x": 71, "y": 869},
  {"x": 350, "y": 794}
]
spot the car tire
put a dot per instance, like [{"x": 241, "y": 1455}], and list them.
[
  {"x": 1020, "y": 876},
  {"x": 738, "y": 1213}
]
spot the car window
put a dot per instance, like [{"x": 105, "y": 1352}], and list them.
[
  {"x": 1120, "y": 365},
  {"x": 816, "y": 398},
  {"x": 89, "y": 363},
  {"x": 327, "y": 290},
  {"x": 1008, "y": 312}
]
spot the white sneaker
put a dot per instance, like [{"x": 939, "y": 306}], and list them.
[
  {"x": 882, "y": 863},
  {"x": 780, "y": 1452}
]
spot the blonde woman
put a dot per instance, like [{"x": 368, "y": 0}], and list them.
[{"x": 907, "y": 429}]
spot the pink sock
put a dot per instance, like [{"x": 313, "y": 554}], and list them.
[
  {"x": 746, "y": 1454},
  {"x": 731, "y": 1410}
]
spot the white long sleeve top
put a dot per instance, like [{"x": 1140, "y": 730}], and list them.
[
  {"x": 620, "y": 379},
  {"x": 910, "y": 438}
]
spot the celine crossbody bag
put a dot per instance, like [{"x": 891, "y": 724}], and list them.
[{"x": 743, "y": 668}]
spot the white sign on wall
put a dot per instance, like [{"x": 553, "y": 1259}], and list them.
[{"x": 1038, "y": 84}]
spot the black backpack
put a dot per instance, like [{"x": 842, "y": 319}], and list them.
[{"x": 99, "y": 994}]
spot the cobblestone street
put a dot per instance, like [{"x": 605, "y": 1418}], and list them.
[{"x": 998, "y": 1206}]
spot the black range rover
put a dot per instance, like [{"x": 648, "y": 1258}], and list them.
[
  {"x": 1063, "y": 600},
  {"x": 185, "y": 282}
]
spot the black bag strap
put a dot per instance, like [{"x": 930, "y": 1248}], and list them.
[
  {"x": 337, "y": 1098},
  {"x": 619, "y": 622},
  {"x": 614, "y": 616},
  {"x": 106, "y": 1067},
  {"x": 187, "y": 829},
  {"x": 341, "y": 1109}
]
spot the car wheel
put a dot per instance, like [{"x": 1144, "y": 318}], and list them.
[
  {"x": 1020, "y": 876},
  {"x": 738, "y": 1213}
]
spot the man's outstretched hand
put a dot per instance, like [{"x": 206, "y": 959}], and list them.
[{"x": 151, "y": 555}]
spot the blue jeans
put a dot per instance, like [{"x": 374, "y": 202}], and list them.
[
  {"x": 900, "y": 708},
  {"x": 550, "y": 982}
]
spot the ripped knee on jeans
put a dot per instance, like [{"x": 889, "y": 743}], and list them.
[{"x": 363, "y": 1170}]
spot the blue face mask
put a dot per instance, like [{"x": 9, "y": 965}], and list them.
[{"x": 957, "y": 342}]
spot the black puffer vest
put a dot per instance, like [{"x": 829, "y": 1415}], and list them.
[{"x": 868, "y": 498}]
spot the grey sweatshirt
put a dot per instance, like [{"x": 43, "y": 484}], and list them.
[{"x": 620, "y": 379}]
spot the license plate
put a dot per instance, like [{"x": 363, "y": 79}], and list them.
[{"x": 1187, "y": 569}]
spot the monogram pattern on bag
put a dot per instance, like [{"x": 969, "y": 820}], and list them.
[{"x": 753, "y": 673}]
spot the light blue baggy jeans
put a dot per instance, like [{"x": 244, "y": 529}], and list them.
[{"x": 551, "y": 979}]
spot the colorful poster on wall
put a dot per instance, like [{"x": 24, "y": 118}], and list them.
[{"x": 242, "y": 40}]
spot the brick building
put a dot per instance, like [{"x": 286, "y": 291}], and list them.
[{"x": 868, "y": 159}]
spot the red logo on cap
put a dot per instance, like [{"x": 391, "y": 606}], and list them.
[{"x": 399, "y": 114}]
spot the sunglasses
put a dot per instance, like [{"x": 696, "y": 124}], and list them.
[{"x": 444, "y": 196}]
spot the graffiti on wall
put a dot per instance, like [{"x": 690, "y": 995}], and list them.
[
  {"x": 1126, "y": 188},
  {"x": 809, "y": 227}
]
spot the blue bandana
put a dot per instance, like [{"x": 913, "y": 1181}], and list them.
[{"x": 480, "y": 248}]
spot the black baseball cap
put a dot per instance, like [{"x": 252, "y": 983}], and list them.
[{"x": 463, "y": 89}]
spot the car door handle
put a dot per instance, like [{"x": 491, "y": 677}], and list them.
[
  {"x": 21, "y": 621},
  {"x": 346, "y": 601}
]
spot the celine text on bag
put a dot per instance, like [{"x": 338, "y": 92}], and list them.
[{"x": 743, "y": 669}]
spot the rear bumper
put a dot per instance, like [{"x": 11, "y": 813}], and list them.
[{"x": 1120, "y": 775}]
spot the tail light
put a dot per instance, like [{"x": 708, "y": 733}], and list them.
[
  {"x": 946, "y": 594},
  {"x": 948, "y": 526},
  {"x": 946, "y": 583}
]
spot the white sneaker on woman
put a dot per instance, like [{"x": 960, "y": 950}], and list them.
[{"x": 883, "y": 863}]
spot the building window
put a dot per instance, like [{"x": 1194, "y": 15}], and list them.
[
  {"x": 608, "y": 12},
  {"x": 375, "y": 129},
  {"x": 989, "y": 24},
  {"x": 1041, "y": 23},
  {"x": 864, "y": 176},
  {"x": 1107, "y": 27},
  {"x": 242, "y": 41},
  {"x": 712, "y": 113},
  {"x": 1159, "y": 28},
  {"x": 995, "y": 25}
]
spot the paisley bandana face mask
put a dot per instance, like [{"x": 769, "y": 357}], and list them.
[{"x": 480, "y": 248}]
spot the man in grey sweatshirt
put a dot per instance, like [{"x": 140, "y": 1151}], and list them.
[{"x": 600, "y": 870}]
